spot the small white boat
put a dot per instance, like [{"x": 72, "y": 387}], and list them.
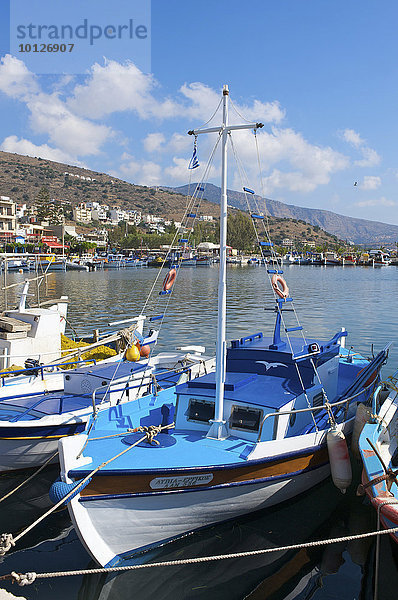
[
  {"x": 115, "y": 261},
  {"x": 76, "y": 265}
]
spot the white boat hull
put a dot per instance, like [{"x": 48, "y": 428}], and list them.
[{"x": 144, "y": 520}]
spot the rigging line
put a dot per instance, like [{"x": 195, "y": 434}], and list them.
[
  {"x": 212, "y": 117},
  {"x": 254, "y": 200},
  {"x": 293, "y": 307},
  {"x": 187, "y": 211},
  {"x": 237, "y": 111},
  {"x": 240, "y": 168}
]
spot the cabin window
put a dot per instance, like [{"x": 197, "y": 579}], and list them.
[
  {"x": 200, "y": 410},
  {"x": 244, "y": 418}
]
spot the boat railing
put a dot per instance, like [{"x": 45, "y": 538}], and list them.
[
  {"x": 146, "y": 373},
  {"x": 313, "y": 409},
  {"x": 41, "y": 368}
]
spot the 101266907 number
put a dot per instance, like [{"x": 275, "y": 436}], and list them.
[{"x": 46, "y": 47}]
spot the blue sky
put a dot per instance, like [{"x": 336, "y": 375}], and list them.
[{"x": 321, "y": 75}]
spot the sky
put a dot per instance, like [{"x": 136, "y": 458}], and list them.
[{"x": 320, "y": 75}]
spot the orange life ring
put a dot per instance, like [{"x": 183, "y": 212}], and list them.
[
  {"x": 282, "y": 293},
  {"x": 169, "y": 280}
]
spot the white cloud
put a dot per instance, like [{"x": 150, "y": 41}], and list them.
[
  {"x": 204, "y": 101},
  {"x": 153, "y": 142},
  {"x": 71, "y": 133},
  {"x": 117, "y": 87},
  {"x": 49, "y": 115},
  {"x": 27, "y": 148},
  {"x": 292, "y": 162},
  {"x": 376, "y": 202},
  {"x": 353, "y": 138},
  {"x": 15, "y": 78},
  {"x": 371, "y": 182},
  {"x": 370, "y": 158},
  {"x": 142, "y": 172}
]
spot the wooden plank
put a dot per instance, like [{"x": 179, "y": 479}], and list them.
[
  {"x": 13, "y": 335},
  {"x": 13, "y": 325}
]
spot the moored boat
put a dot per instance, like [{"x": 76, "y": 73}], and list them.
[
  {"x": 262, "y": 429},
  {"x": 378, "y": 445}
]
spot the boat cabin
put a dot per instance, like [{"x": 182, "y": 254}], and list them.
[{"x": 261, "y": 384}]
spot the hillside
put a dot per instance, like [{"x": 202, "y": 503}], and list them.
[
  {"x": 22, "y": 177},
  {"x": 359, "y": 231}
]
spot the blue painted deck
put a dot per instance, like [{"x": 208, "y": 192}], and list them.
[{"x": 201, "y": 452}]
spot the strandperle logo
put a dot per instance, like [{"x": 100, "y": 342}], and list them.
[{"x": 85, "y": 31}]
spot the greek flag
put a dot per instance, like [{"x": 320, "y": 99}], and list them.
[{"x": 194, "y": 162}]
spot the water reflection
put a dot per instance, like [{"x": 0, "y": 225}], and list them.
[{"x": 343, "y": 570}]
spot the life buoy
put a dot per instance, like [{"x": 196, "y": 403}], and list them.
[
  {"x": 169, "y": 280},
  {"x": 282, "y": 293}
]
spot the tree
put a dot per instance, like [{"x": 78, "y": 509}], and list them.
[
  {"x": 46, "y": 210},
  {"x": 240, "y": 232}
]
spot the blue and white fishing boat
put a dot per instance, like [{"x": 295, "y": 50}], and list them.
[
  {"x": 32, "y": 422},
  {"x": 378, "y": 445},
  {"x": 249, "y": 436}
]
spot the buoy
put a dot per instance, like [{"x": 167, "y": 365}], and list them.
[
  {"x": 169, "y": 280},
  {"x": 340, "y": 464},
  {"x": 145, "y": 351},
  {"x": 362, "y": 416},
  {"x": 132, "y": 354}
]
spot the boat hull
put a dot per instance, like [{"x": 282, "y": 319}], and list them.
[{"x": 143, "y": 520}]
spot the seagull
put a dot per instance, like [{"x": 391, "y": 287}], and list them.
[{"x": 269, "y": 365}]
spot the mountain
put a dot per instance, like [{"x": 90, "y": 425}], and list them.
[{"x": 358, "y": 231}]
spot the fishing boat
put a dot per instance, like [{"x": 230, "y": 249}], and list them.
[
  {"x": 378, "y": 445},
  {"x": 32, "y": 423},
  {"x": 268, "y": 425},
  {"x": 349, "y": 260},
  {"x": 331, "y": 259},
  {"x": 378, "y": 258},
  {"x": 115, "y": 261}
]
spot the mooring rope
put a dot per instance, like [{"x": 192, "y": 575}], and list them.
[
  {"x": 29, "y": 478},
  {"x": 28, "y": 578},
  {"x": 7, "y": 540}
]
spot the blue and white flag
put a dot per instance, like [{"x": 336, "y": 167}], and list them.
[{"x": 194, "y": 162}]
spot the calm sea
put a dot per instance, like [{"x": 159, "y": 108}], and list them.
[{"x": 363, "y": 300}]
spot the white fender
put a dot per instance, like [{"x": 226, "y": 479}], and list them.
[{"x": 340, "y": 464}]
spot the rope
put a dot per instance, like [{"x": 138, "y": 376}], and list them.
[
  {"x": 29, "y": 478},
  {"x": 191, "y": 561},
  {"x": 7, "y": 541},
  {"x": 274, "y": 257}
]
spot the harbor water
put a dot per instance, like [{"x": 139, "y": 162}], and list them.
[{"x": 361, "y": 299}]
